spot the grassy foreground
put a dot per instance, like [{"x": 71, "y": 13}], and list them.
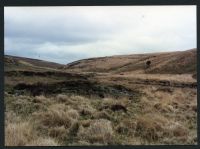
[
  {"x": 159, "y": 118},
  {"x": 54, "y": 107}
]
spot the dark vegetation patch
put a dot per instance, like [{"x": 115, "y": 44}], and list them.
[
  {"x": 194, "y": 75},
  {"x": 115, "y": 107},
  {"x": 44, "y": 74},
  {"x": 166, "y": 83},
  {"x": 148, "y": 63},
  {"x": 118, "y": 107},
  {"x": 80, "y": 87}
]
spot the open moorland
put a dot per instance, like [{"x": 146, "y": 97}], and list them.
[{"x": 143, "y": 99}]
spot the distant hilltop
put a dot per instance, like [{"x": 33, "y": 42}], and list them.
[
  {"x": 180, "y": 62},
  {"x": 168, "y": 62}
]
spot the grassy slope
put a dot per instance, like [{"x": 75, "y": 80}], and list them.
[
  {"x": 28, "y": 63},
  {"x": 171, "y": 62}
]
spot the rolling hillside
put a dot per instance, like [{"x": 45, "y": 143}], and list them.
[
  {"x": 169, "y": 62},
  {"x": 31, "y": 64}
]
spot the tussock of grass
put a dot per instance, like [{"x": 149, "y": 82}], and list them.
[
  {"x": 11, "y": 117},
  {"x": 24, "y": 106},
  {"x": 41, "y": 99},
  {"x": 126, "y": 127},
  {"x": 176, "y": 133},
  {"x": 58, "y": 107},
  {"x": 73, "y": 114},
  {"x": 61, "y": 98},
  {"x": 58, "y": 122},
  {"x": 58, "y": 132},
  {"x": 102, "y": 115},
  {"x": 43, "y": 142},
  {"x": 111, "y": 101},
  {"x": 55, "y": 118},
  {"x": 99, "y": 131},
  {"x": 19, "y": 134},
  {"x": 178, "y": 130},
  {"x": 86, "y": 110},
  {"x": 114, "y": 105},
  {"x": 150, "y": 127},
  {"x": 164, "y": 108},
  {"x": 85, "y": 123}
]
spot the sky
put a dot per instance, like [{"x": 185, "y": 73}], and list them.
[{"x": 67, "y": 34}]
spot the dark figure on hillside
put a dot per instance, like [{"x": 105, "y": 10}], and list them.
[{"x": 148, "y": 63}]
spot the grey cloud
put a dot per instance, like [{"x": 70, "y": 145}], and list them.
[
  {"x": 62, "y": 29},
  {"x": 70, "y": 33}
]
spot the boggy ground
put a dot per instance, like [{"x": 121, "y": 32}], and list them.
[{"x": 53, "y": 108}]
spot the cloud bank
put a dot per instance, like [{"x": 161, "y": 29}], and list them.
[{"x": 66, "y": 34}]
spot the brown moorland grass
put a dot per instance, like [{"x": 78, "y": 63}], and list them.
[
  {"x": 99, "y": 131},
  {"x": 155, "y": 114},
  {"x": 157, "y": 118}
]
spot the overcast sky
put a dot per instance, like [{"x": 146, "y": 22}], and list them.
[{"x": 66, "y": 34}]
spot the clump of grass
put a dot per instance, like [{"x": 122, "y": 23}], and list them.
[
  {"x": 11, "y": 117},
  {"x": 177, "y": 130},
  {"x": 86, "y": 109},
  {"x": 150, "y": 128},
  {"x": 73, "y": 114},
  {"x": 82, "y": 104},
  {"x": 99, "y": 131},
  {"x": 85, "y": 123},
  {"x": 176, "y": 133},
  {"x": 114, "y": 104},
  {"x": 62, "y": 98},
  {"x": 82, "y": 143},
  {"x": 19, "y": 134},
  {"x": 102, "y": 115},
  {"x": 56, "y": 122},
  {"x": 41, "y": 99},
  {"x": 112, "y": 101},
  {"x": 127, "y": 127},
  {"x": 73, "y": 130},
  {"x": 23, "y": 106},
  {"x": 58, "y": 132},
  {"x": 108, "y": 101},
  {"x": 58, "y": 107},
  {"x": 164, "y": 108},
  {"x": 43, "y": 142},
  {"x": 74, "y": 100},
  {"x": 54, "y": 117}
]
